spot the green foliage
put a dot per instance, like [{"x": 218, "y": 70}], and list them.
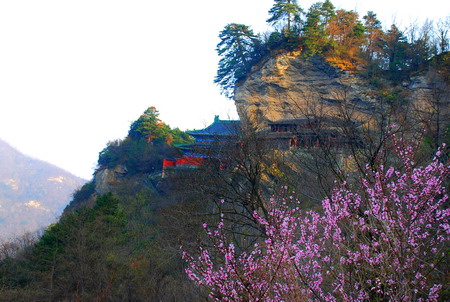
[
  {"x": 54, "y": 241},
  {"x": 286, "y": 41},
  {"x": 71, "y": 252},
  {"x": 85, "y": 192},
  {"x": 395, "y": 50},
  {"x": 238, "y": 48},
  {"x": 74, "y": 258},
  {"x": 442, "y": 65},
  {"x": 110, "y": 155},
  {"x": 374, "y": 34},
  {"x": 180, "y": 137},
  {"x": 422, "y": 48},
  {"x": 373, "y": 43},
  {"x": 339, "y": 36},
  {"x": 315, "y": 35},
  {"x": 115, "y": 251},
  {"x": 137, "y": 155},
  {"x": 286, "y": 13},
  {"x": 327, "y": 11},
  {"x": 149, "y": 126},
  {"x": 149, "y": 141}
]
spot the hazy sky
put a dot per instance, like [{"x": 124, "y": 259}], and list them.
[{"x": 75, "y": 74}]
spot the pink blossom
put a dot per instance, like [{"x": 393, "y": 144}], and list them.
[{"x": 379, "y": 244}]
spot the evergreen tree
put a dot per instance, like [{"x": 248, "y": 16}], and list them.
[
  {"x": 317, "y": 18},
  {"x": 423, "y": 48},
  {"x": 395, "y": 49},
  {"x": 327, "y": 11},
  {"x": 149, "y": 126},
  {"x": 286, "y": 13},
  {"x": 374, "y": 34},
  {"x": 238, "y": 48}
]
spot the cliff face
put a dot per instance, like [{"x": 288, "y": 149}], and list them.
[
  {"x": 287, "y": 86},
  {"x": 106, "y": 178}
]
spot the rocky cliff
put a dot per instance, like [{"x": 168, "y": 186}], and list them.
[{"x": 287, "y": 86}]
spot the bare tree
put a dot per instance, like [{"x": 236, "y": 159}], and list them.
[{"x": 443, "y": 26}]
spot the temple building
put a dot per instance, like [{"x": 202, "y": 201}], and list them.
[
  {"x": 307, "y": 132},
  {"x": 206, "y": 144},
  {"x": 284, "y": 134}
]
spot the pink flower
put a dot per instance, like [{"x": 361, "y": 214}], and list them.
[{"x": 380, "y": 243}]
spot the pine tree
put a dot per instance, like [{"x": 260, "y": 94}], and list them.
[
  {"x": 148, "y": 126},
  {"x": 286, "y": 13},
  {"x": 395, "y": 49},
  {"x": 317, "y": 18},
  {"x": 374, "y": 34},
  {"x": 238, "y": 49},
  {"x": 328, "y": 11}
]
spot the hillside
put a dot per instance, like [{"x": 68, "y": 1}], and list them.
[
  {"x": 32, "y": 192},
  {"x": 119, "y": 238}
]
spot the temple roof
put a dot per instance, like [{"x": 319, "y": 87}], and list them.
[{"x": 218, "y": 128}]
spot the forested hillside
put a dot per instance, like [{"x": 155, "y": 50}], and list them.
[{"x": 119, "y": 246}]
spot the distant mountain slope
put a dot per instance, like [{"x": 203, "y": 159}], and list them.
[{"x": 32, "y": 192}]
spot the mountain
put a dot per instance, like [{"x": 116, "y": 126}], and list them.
[
  {"x": 119, "y": 239},
  {"x": 32, "y": 192},
  {"x": 317, "y": 124}
]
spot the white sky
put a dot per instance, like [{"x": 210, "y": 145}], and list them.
[{"x": 75, "y": 74}]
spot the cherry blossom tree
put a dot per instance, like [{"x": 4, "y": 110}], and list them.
[{"x": 385, "y": 241}]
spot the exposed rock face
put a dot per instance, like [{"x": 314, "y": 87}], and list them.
[
  {"x": 106, "y": 178},
  {"x": 429, "y": 93},
  {"x": 117, "y": 178},
  {"x": 287, "y": 86}
]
